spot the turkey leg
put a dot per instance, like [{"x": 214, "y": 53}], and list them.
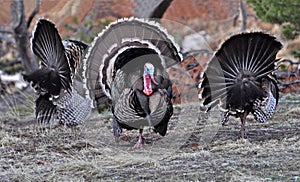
[
  {"x": 140, "y": 141},
  {"x": 243, "y": 128}
]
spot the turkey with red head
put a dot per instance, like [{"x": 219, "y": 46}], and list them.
[
  {"x": 239, "y": 78},
  {"x": 57, "y": 101},
  {"x": 126, "y": 65}
]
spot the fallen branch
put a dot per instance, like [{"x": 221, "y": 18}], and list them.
[
  {"x": 288, "y": 83},
  {"x": 7, "y": 38},
  {"x": 3, "y": 31}
]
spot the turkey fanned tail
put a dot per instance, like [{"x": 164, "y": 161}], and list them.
[
  {"x": 239, "y": 78},
  {"x": 47, "y": 46}
]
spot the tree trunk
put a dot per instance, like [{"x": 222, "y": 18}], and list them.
[
  {"x": 151, "y": 8},
  {"x": 244, "y": 15},
  {"x": 21, "y": 36}
]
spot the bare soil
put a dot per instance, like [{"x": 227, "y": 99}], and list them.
[{"x": 195, "y": 148}]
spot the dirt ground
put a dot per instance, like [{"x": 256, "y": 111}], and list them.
[{"x": 196, "y": 148}]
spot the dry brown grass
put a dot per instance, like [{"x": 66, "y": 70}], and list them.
[{"x": 195, "y": 148}]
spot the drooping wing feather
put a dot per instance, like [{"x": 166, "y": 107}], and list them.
[
  {"x": 72, "y": 108},
  {"x": 264, "y": 108},
  {"x": 68, "y": 109},
  {"x": 47, "y": 45}
]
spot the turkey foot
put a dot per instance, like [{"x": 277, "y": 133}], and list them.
[
  {"x": 140, "y": 141},
  {"x": 242, "y": 134}
]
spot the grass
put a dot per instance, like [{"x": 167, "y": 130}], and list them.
[{"x": 195, "y": 148}]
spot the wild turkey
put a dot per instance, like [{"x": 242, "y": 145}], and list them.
[
  {"x": 126, "y": 65},
  {"x": 56, "y": 99},
  {"x": 240, "y": 78}
]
